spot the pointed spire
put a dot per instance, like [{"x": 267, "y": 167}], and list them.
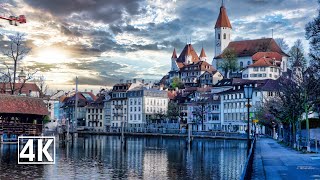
[
  {"x": 202, "y": 54},
  {"x": 223, "y": 20},
  {"x": 174, "y": 54}
]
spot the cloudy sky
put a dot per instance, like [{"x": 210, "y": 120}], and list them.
[{"x": 102, "y": 41}]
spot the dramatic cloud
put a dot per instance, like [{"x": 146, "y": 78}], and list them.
[{"x": 105, "y": 41}]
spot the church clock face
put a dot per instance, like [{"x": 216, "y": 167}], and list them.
[{"x": 218, "y": 43}]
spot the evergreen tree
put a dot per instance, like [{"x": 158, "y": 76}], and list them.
[
  {"x": 313, "y": 35},
  {"x": 296, "y": 54}
]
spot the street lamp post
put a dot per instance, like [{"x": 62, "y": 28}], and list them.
[{"x": 248, "y": 95}]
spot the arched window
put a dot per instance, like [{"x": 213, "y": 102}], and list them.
[
  {"x": 218, "y": 35},
  {"x": 241, "y": 65},
  {"x": 248, "y": 63},
  {"x": 224, "y": 36}
]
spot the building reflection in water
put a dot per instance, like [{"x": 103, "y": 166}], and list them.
[{"x": 93, "y": 157}]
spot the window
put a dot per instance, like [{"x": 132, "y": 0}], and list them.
[
  {"x": 88, "y": 110},
  {"x": 248, "y": 63},
  {"x": 270, "y": 75},
  {"x": 224, "y": 36},
  {"x": 139, "y": 109},
  {"x": 218, "y": 35},
  {"x": 271, "y": 69},
  {"x": 262, "y": 69},
  {"x": 130, "y": 109},
  {"x": 264, "y": 75},
  {"x": 245, "y": 76},
  {"x": 256, "y": 69}
]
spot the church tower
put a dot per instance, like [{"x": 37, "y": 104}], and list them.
[{"x": 223, "y": 30}]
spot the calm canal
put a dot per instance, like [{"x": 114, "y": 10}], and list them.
[{"x": 101, "y": 157}]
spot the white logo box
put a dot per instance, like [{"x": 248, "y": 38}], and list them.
[{"x": 31, "y": 145}]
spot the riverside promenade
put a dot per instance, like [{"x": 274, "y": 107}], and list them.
[{"x": 274, "y": 161}]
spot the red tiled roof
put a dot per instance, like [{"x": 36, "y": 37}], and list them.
[
  {"x": 263, "y": 62},
  {"x": 202, "y": 54},
  {"x": 272, "y": 55},
  {"x": 251, "y": 47},
  {"x": 26, "y": 87},
  {"x": 174, "y": 54},
  {"x": 22, "y": 105},
  {"x": 188, "y": 50},
  {"x": 223, "y": 20}
]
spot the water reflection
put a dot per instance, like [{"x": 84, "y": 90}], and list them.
[{"x": 94, "y": 157}]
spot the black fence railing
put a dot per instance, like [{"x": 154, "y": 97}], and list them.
[{"x": 248, "y": 167}]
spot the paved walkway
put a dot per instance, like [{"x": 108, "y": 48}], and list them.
[{"x": 274, "y": 161}]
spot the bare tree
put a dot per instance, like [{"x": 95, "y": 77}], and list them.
[
  {"x": 43, "y": 86},
  {"x": 15, "y": 52}
]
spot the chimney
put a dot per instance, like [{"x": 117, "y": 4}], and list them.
[
  {"x": 134, "y": 80},
  {"x": 142, "y": 81},
  {"x": 121, "y": 80}
]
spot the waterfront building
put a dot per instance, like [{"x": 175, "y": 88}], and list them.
[
  {"x": 146, "y": 105},
  {"x": 68, "y": 107},
  {"x": 107, "y": 111},
  {"x": 95, "y": 114},
  {"x": 119, "y": 103},
  {"x": 21, "y": 115}
]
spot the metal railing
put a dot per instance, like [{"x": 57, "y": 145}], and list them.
[{"x": 248, "y": 167}]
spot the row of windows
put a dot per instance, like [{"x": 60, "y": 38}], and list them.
[
  {"x": 273, "y": 93},
  {"x": 156, "y": 102},
  {"x": 213, "y": 117},
  {"x": 236, "y": 105},
  {"x": 135, "y": 109},
  {"x": 119, "y": 102},
  {"x": 119, "y": 95},
  {"x": 92, "y": 110},
  {"x": 259, "y": 75},
  {"x": 119, "y": 118},
  {"x": 233, "y": 96},
  {"x": 135, "y": 117},
  {"x": 241, "y": 64},
  {"x": 119, "y": 110},
  {"x": 237, "y": 96},
  {"x": 191, "y": 74},
  {"x": 224, "y": 36},
  {"x": 155, "y": 109},
  {"x": 135, "y": 102},
  {"x": 95, "y": 124},
  {"x": 256, "y": 69},
  {"x": 94, "y": 117},
  {"x": 235, "y": 116}
]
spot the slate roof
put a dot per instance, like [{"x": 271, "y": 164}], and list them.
[{"x": 22, "y": 105}]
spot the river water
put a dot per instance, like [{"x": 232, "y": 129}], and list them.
[{"x": 155, "y": 158}]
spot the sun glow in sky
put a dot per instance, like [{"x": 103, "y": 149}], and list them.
[
  {"x": 105, "y": 41},
  {"x": 51, "y": 55}
]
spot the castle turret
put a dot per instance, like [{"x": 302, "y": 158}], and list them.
[
  {"x": 174, "y": 58},
  {"x": 203, "y": 56}
]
